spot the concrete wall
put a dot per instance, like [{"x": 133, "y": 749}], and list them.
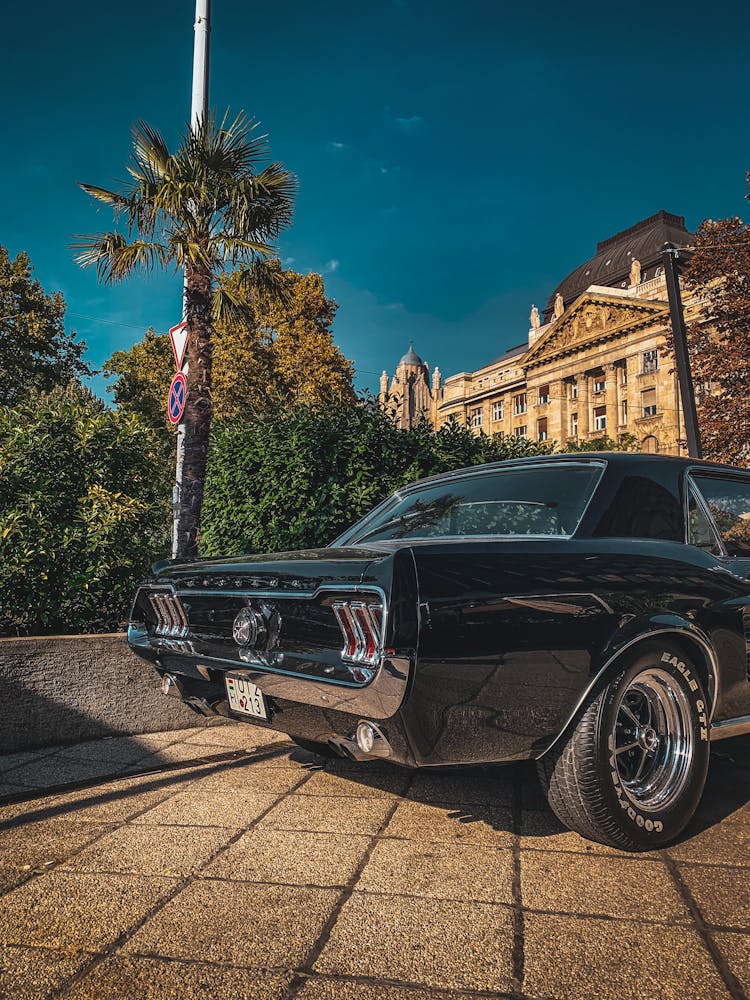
[{"x": 64, "y": 689}]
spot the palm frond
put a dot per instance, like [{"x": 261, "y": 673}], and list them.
[
  {"x": 260, "y": 278},
  {"x": 226, "y": 148},
  {"x": 150, "y": 153},
  {"x": 120, "y": 202},
  {"x": 115, "y": 258},
  {"x": 274, "y": 189},
  {"x": 275, "y": 181},
  {"x": 186, "y": 249},
  {"x": 238, "y": 250},
  {"x": 230, "y": 308}
]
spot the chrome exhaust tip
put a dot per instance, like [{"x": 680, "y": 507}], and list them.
[
  {"x": 369, "y": 742},
  {"x": 170, "y": 686}
]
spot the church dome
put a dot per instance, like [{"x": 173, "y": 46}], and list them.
[{"x": 411, "y": 357}]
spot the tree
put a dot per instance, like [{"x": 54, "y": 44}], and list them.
[
  {"x": 35, "y": 350},
  {"x": 286, "y": 355},
  {"x": 207, "y": 208},
  {"x": 83, "y": 510},
  {"x": 718, "y": 275},
  {"x": 296, "y": 479}
]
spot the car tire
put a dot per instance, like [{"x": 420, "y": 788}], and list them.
[
  {"x": 321, "y": 749},
  {"x": 631, "y": 773}
]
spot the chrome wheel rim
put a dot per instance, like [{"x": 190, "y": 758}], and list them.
[{"x": 654, "y": 740}]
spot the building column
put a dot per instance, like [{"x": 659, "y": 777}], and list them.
[
  {"x": 633, "y": 395},
  {"x": 558, "y": 427},
  {"x": 585, "y": 420},
  {"x": 611, "y": 374}
]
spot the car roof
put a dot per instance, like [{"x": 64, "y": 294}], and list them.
[{"x": 622, "y": 459}]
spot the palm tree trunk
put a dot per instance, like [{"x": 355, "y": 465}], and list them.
[{"x": 198, "y": 408}]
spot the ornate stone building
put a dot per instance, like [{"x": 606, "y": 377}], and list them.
[
  {"x": 410, "y": 392},
  {"x": 595, "y": 363}
]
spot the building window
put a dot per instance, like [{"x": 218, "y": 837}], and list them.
[
  {"x": 600, "y": 418},
  {"x": 650, "y": 361},
  {"x": 648, "y": 402},
  {"x": 574, "y": 390},
  {"x": 476, "y": 417},
  {"x": 624, "y": 419},
  {"x": 623, "y": 375},
  {"x": 544, "y": 394},
  {"x": 519, "y": 404},
  {"x": 600, "y": 383},
  {"x": 498, "y": 410},
  {"x": 702, "y": 391},
  {"x": 520, "y": 432},
  {"x": 541, "y": 429},
  {"x": 650, "y": 445},
  {"x": 574, "y": 425}
]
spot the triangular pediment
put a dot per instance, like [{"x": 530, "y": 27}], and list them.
[{"x": 595, "y": 316}]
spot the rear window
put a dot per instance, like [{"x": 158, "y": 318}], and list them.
[{"x": 541, "y": 500}]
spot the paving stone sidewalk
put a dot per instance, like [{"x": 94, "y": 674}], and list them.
[{"x": 226, "y": 863}]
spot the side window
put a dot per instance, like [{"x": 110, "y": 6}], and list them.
[
  {"x": 728, "y": 502},
  {"x": 643, "y": 508},
  {"x": 700, "y": 530}
]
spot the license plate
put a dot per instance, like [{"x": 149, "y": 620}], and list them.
[{"x": 246, "y": 698}]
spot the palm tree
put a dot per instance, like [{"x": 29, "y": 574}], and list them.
[{"x": 209, "y": 209}]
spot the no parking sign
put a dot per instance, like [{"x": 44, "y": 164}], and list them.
[{"x": 176, "y": 399}]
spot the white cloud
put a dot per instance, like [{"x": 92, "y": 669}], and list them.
[
  {"x": 337, "y": 146},
  {"x": 288, "y": 261},
  {"x": 409, "y": 124},
  {"x": 332, "y": 265},
  {"x": 402, "y": 122}
]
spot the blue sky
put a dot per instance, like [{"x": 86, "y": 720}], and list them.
[{"x": 455, "y": 161}]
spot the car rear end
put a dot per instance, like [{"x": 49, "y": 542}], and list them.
[{"x": 314, "y": 644}]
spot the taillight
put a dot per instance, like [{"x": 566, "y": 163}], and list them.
[
  {"x": 361, "y": 626},
  {"x": 171, "y": 619}
]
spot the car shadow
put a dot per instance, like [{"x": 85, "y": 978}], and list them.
[
  {"x": 727, "y": 787},
  {"x": 505, "y": 798},
  {"x": 508, "y": 797}
]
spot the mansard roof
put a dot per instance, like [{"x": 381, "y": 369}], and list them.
[
  {"x": 512, "y": 352},
  {"x": 611, "y": 263}
]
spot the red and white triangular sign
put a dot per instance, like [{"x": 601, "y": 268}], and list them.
[{"x": 179, "y": 337}]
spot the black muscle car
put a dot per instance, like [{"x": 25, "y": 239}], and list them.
[{"x": 590, "y": 612}]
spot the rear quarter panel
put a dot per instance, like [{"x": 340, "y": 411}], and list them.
[{"x": 513, "y": 631}]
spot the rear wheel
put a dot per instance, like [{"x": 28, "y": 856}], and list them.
[{"x": 632, "y": 771}]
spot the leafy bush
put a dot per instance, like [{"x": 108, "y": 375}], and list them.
[
  {"x": 83, "y": 511},
  {"x": 625, "y": 442},
  {"x": 298, "y": 478}
]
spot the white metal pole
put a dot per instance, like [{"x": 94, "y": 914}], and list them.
[
  {"x": 199, "y": 105},
  {"x": 198, "y": 113}
]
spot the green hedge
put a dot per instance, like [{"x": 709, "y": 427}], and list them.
[
  {"x": 296, "y": 479},
  {"x": 84, "y": 509}
]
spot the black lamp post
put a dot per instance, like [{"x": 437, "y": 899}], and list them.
[{"x": 672, "y": 256}]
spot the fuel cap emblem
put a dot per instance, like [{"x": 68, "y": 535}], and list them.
[{"x": 249, "y": 628}]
